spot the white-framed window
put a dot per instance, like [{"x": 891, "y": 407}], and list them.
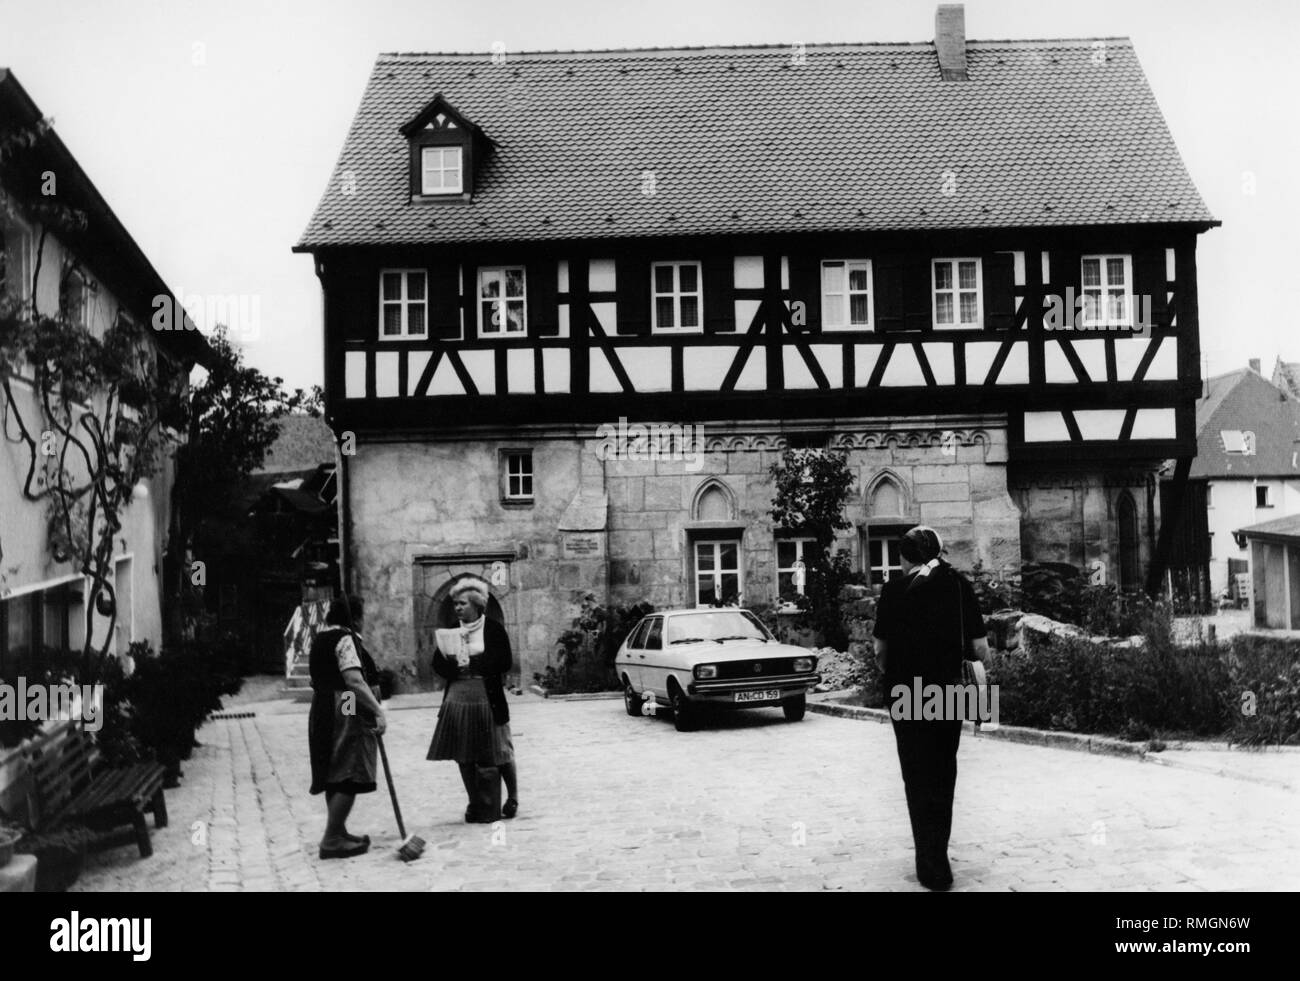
[
  {"x": 403, "y": 304},
  {"x": 791, "y": 558},
  {"x": 718, "y": 577},
  {"x": 958, "y": 295},
  {"x": 883, "y": 559},
  {"x": 1107, "y": 282},
  {"x": 441, "y": 170},
  {"x": 846, "y": 294},
  {"x": 517, "y": 475},
  {"x": 676, "y": 299},
  {"x": 1262, "y": 498},
  {"x": 503, "y": 301}
]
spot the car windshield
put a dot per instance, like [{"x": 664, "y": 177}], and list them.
[{"x": 719, "y": 625}]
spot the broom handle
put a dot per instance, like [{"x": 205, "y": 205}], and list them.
[
  {"x": 383, "y": 754},
  {"x": 392, "y": 791}
]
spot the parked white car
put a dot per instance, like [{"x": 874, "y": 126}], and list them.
[{"x": 689, "y": 659}]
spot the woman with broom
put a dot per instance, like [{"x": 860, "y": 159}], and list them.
[
  {"x": 474, "y": 721},
  {"x": 344, "y": 725}
]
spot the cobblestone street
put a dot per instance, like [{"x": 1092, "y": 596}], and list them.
[{"x": 752, "y": 802}]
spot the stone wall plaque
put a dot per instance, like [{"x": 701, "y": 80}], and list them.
[{"x": 582, "y": 544}]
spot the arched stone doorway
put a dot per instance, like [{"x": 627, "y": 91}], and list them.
[{"x": 439, "y": 614}]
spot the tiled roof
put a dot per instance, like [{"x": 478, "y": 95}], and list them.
[
  {"x": 304, "y": 443},
  {"x": 860, "y": 137},
  {"x": 1245, "y": 401}
]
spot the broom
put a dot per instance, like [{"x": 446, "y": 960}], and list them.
[{"x": 412, "y": 847}]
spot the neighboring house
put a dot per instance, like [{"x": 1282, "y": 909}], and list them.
[
  {"x": 843, "y": 246},
  {"x": 1247, "y": 462},
  {"x": 1275, "y": 572},
  {"x": 275, "y": 543},
  {"x": 97, "y": 274}
]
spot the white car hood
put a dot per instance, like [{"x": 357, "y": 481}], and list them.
[{"x": 711, "y": 651}]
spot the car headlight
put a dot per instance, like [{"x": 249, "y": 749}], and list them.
[
  {"x": 703, "y": 672},
  {"x": 804, "y": 663}
]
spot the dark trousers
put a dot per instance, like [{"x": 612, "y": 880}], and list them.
[{"x": 927, "y": 753}]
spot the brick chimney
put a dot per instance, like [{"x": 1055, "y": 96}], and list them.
[
  {"x": 1254, "y": 365},
  {"x": 950, "y": 41}
]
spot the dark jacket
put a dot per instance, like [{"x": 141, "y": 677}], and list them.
[
  {"x": 495, "y": 661},
  {"x": 927, "y": 623}
]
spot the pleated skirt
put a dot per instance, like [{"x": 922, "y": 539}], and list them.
[{"x": 465, "y": 731}]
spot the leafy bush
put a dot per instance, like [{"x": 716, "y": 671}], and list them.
[
  {"x": 1135, "y": 692},
  {"x": 811, "y": 490},
  {"x": 1264, "y": 690},
  {"x": 586, "y": 650},
  {"x": 157, "y": 710}
]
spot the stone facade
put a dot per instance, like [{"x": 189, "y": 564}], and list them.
[
  {"x": 1078, "y": 518},
  {"x": 426, "y": 512}
]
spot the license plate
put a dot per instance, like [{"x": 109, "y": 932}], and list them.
[{"x": 758, "y": 696}]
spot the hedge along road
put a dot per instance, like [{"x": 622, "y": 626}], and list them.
[{"x": 749, "y": 802}]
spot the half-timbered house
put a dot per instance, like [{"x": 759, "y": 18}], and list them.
[{"x": 970, "y": 265}]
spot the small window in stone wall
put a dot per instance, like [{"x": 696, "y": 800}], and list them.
[
  {"x": 882, "y": 560},
  {"x": 517, "y": 476},
  {"x": 791, "y": 567}
]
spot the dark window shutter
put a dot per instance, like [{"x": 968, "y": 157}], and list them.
[
  {"x": 918, "y": 293},
  {"x": 543, "y": 314},
  {"x": 999, "y": 290},
  {"x": 718, "y": 275},
  {"x": 1149, "y": 280},
  {"x": 633, "y": 278},
  {"x": 444, "y": 300},
  {"x": 354, "y": 301},
  {"x": 1067, "y": 280},
  {"x": 806, "y": 288},
  {"x": 887, "y": 280}
]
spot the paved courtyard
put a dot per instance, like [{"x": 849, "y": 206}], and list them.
[{"x": 611, "y": 802}]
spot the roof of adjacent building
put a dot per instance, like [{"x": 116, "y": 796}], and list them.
[
  {"x": 304, "y": 442},
  {"x": 1278, "y": 527},
  {"x": 1245, "y": 401},
  {"x": 862, "y": 137},
  {"x": 104, "y": 244},
  {"x": 1286, "y": 375}
]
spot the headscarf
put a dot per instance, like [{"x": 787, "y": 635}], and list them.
[{"x": 921, "y": 546}]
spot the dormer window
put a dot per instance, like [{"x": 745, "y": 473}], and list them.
[
  {"x": 441, "y": 170},
  {"x": 444, "y": 146}
]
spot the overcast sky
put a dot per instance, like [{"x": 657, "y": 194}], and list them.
[{"x": 212, "y": 127}]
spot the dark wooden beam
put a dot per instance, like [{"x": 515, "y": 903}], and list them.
[{"x": 1169, "y": 525}]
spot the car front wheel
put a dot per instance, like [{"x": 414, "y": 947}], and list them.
[
  {"x": 683, "y": 711},
  {"x": 631, "y": 700},
  {"x": 794, "y": 708}
]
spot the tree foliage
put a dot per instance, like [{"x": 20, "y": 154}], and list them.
[
  {"x": 233, "y": 413},
  {"x": 811, "y": 490}
]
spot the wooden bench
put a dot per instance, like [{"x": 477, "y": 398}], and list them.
[{"x": 73, "y": 788}]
